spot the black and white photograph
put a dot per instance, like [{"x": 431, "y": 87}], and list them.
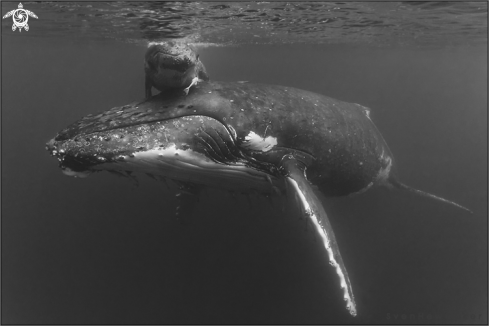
[{"x": 244, "y": 162}]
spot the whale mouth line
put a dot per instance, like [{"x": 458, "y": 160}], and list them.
[
  {"x": 191, "y": 166},
  {"x": 193, "y": 148}
]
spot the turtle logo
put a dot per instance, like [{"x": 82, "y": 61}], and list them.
[{"x": 20, "y": 17}]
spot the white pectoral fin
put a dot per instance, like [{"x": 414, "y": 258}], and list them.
[
  {"x": 195, "y": 81},
  {"x": 317, "y": 214}
]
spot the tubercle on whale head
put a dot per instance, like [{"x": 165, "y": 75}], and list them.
[
  {"x": 110, "y": 145},
  {"x": 197, "y": 149}
]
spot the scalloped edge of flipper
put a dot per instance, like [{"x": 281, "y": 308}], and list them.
[{"x": 315, "y": 211}]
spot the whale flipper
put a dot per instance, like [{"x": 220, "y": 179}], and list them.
[{"x": 295, "y": 176}]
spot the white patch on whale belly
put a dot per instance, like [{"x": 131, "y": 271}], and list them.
[
  {"x": 191, "y": 166},
  {"x": 257, "y": 143}
]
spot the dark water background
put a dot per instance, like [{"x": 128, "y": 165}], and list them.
[{"x": 102, "y": 250}]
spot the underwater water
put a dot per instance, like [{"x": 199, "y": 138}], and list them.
[{"x": 109, "y": 250}]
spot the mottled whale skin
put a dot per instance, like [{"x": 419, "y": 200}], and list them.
[
  {"x": 242, "y": 137},
  {"x": 345, "y": 149}
]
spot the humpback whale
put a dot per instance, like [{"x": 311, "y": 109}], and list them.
[
  {"x": 170, "y": 65},
  {"x": 246, "y": 138}
]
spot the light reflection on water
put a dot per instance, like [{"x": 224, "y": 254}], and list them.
[{"x": 419, "y": 24}]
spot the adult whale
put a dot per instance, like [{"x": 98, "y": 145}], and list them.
[{"x": 241, "y": 137}]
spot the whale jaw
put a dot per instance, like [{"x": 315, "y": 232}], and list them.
[{"x": 194, "y": 149}]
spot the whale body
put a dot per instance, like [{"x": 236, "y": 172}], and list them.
[{"x": 244, "y": 137}]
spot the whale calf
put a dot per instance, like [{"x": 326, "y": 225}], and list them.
[
  {"x": 242, "y": 137},
  {"x": 170, "y": 65}
]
